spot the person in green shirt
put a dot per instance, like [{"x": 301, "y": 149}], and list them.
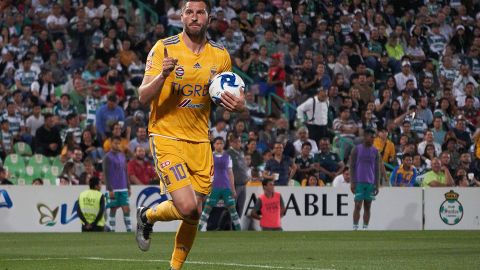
[
  {"x": 91, "y": 206},
  {"x": 439, "y": 176}
]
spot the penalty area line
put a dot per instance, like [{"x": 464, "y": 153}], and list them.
[{"x": 259, "y": 266}]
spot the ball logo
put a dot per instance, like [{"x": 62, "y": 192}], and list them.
[
  {"x": 150, "y": 197},
  {"x": 229, "y": 80},
  {"x": 451, "y": 210}
]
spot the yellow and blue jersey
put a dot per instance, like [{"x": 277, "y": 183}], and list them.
[
  {"x": 182, "y": 109},
  {"x": 402, "y": 177}
]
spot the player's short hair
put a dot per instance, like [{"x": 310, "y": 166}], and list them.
[
  {"x": 207, "y": 3},
  {"x": 265, "y": 182},
  {"x": 219, "y": 138}
]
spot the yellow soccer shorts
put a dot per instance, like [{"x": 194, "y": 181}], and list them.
[{"x": 181, "y": 163}]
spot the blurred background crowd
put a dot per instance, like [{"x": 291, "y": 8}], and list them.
[{"x": 318, "y": 74}]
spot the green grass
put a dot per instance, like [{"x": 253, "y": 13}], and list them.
[{"x": 247, "y": 250}]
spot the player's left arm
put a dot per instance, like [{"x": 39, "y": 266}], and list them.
[
  {"x": 378, "y": 171},
  {"x": 283, "y": 210},
  {"x": 231, "y": 102}
]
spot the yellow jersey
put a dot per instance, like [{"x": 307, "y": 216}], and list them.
[{"x": 182, "y": 109}]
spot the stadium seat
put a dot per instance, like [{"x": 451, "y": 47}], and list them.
[
  {"x": 51, "y": 175},
  {"x": 22, "y": 149},
  {"x": 40, "y": 161},
  {"x": 55, "y": 161},
  {"x": 32, "y": 172},
  {"x": 14, "y": 163}
]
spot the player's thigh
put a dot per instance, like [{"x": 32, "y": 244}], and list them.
[
  {"x": 199, "y": 160},
  {"x": 213, "y": 198},
  {"x": 227, "y": 197},
  {"x": 360, "y": 192},
  {"x": 169, "y": 163}
]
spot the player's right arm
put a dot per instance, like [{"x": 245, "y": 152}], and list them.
[{"x": 157, "y": 69}]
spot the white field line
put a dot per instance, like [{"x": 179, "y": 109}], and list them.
[{"x": 166, "y": 261}]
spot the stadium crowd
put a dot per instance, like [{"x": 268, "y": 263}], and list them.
[{"x": 409, "y": 70}]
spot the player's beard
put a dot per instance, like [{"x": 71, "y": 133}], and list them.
[{"x": 199, "y": 33}]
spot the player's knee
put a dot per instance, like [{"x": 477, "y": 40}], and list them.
[{"x": 187, "y": 209}]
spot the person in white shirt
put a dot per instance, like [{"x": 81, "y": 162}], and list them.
[
  {"x": 428, "y": 139},
  {"x": 462, "y": 80},
  {"x": 35, "y": 120},
  {"x": 342, "y": 180},
  {"x": 401, "y": 78},
  {"x": 302, "y": 134},
  {"x": 314, "y": 113}
]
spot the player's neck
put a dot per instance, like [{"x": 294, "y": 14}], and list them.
[{"x": 194, "y": 43}]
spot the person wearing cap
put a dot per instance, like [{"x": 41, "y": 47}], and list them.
[
  {"x": 91, "y": 206},
  {"x": 405, "y": 75},
  {"x": 365, "y": 173},
  {"x": 461, "y": 40}
]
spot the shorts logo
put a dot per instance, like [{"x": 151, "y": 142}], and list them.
[
  {"x": 164, "y": 164},
  {"x": 451, "y": 210}
]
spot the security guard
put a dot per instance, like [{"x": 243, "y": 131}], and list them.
[{"x": 91, "y": 207}]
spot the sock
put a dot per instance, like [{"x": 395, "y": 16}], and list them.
[
  {"x": 183, "y": 243},
  {"x": 128, "y": 222},
  {"x": 355, "y": 226},
  {"x": 204, "y": 218},
  {"x": 165, "y": 211},
  {"x": 235, "y": 218},
  {"x": 365, "y": 226},
  {"x": 111, "y": 220}
]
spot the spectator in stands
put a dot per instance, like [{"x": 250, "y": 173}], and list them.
[
  {"x": 108, "y": 114},
  {"x": 280, "y": 168},
  {"x": 4, "y": 177},
  {"x": 6, "y": 136},
  {"x": 438, "y": 131},
  {"x": 134, "y": 122},
  {"x": 439, "y": 176},
  {"x": 124, "y": 140},
  {"x": 461, "y": 133},
  {"x": 342, "y": 180},
  {"x": 118, "y": 186},
  {"x": 77, "y": 159},
  {"x": 251, "y": 149},
  {"x": 385, "y": 147},
  {"x": 47, "y": 138},
  {"x": 25, "y": 76},
  {"x": 37, "y": 182},
  {"x": 91, "y": 147},
  {"x": 302, "y": 135},
  {"x": 73, "y": 127},
  {"x": 304, "y": 162},
  {"x": 312, "y": 181},
  {"x": 44, "y": 89},
  {"x": 89, "y": 172},
  {"x": 140, "y": 171},
  {"x": 315, "y": 112},
  {"x": 64, "y": 108},
  {"x": 141, "y": 140},
  {"x": 91, "y": 207},
  {"x": 429, "y": 139},
  {"x": 270, "y": 217},
  {"x": 68, "y": 176},
  {"x": 404, "y": 175},
  {"x": 327, "y": 163},
  {"x": 14, "y": 119}
]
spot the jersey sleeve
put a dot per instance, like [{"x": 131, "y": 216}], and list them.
[
  {"x": 153, "y": 65},
  {"x": 226, "y": 62}
]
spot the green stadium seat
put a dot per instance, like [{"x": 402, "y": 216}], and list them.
[
  {"x": 22, "y": 149},
  {"x": 55, "y": 161},
  {"x": 31, "y": 173},
  {"x": 41, "y": 161},
  {"x": 14, "y": 164},
  {"x": 51, "y": 175}
]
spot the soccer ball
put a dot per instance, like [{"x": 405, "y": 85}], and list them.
[{"x": 225, "y": 81}]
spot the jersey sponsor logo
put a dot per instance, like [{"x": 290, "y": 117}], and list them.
[
  {"x": 189, "y": 90},
  {"x": 179, "y": 71},
  {"x": 186, "y": 103}
]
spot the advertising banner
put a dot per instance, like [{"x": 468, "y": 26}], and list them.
[{"x": 452, "y": 209}]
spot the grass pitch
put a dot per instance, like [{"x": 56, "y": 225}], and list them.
[{"x": 247, "y": 250}]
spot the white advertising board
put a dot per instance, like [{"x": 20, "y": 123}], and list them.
[
  {"x": 327, "y": 208},
  {"x": 452, "y": 208},
  {"x": 53, "y": 209}
]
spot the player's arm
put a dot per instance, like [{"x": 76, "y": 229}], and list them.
[
  {"x": 255, "y": 213},
  {"x": 353, "y": 166},
  {"x": 231, "y": 102},
  {"x": 153, "y": 84}
]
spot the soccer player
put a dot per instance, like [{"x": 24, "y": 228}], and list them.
[
  {"x": 223, "y": 185},
  {"x": 177, "y": 74},
  {"x": 365, "y": 162},
  {"x": 269, "y": 208}
]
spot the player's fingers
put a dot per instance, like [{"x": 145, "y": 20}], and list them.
[{"x": 165, "y": 52}]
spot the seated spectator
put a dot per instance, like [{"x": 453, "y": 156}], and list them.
[
  {"x": 312, "y": 181},
  {"x": 342, "y": 180},
  {"x": 251, "y": 149},
  {"x": 429, "y": 139},
  {"x": 37, "y": 182},
  {"x": 108, "y": 114},
  {"x": 384, "y": 146},
  {"x": 304, "y": 162},
  {"x": 327, "y": 163},
  {"x": 6, "y": 142},
  {"x": 77, "y": 159},
  {"x": 47, "y": 138},
  {"x": 280, "y": 168},
  {"x": 73, "y": 126},
  {"x": 89, "y": 171},
  {"x": 438, "y": 130},
  {"x": 137, "y": 120},
  {"x": 439, "y": 176},
  {"x": 124, "y": 140},
  {"x": 91, "y": 147},
  {"x": 68, "y": 148},
  {"x": 4, "y": 177},
  {"x": 404, "y": 175},
  {"x": 302, "y": 135},
  {"x": 64, "y": 108},
  {"x": 35, "y": 121},
  {"x": 68, "y": 175},
  {"x": 142, "y": 141},
  {"x": 140, "y": 171}
]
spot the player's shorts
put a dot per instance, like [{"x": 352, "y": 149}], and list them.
[
  {"x": 364, "y": 192},
  {"x": 181, "y": 163},
  {"x": 217, "y": 194},
  {"x": 120, "y": 199}
]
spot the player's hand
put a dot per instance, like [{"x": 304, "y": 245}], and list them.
[
  {"x": 233, "y": 103},
  {"x": 169, "y": 63},
  {"x": 234, "y": 194},
  {"x": 375, "y": 192},
  {"x": 352, "y": 188},
  {"x": 88, "y": 226}
]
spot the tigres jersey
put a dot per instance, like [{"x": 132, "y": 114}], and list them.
[{"x": 183, "y": 107}]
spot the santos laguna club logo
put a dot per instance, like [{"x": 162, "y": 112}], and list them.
[{"x": 451, "y": 210}]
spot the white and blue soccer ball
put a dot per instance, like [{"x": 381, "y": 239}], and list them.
[{"x": 225, "y": 82}]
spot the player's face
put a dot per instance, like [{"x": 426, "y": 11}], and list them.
[
  {"x": 218, "y": 145},
  {"x": 195, "y": 18}
]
